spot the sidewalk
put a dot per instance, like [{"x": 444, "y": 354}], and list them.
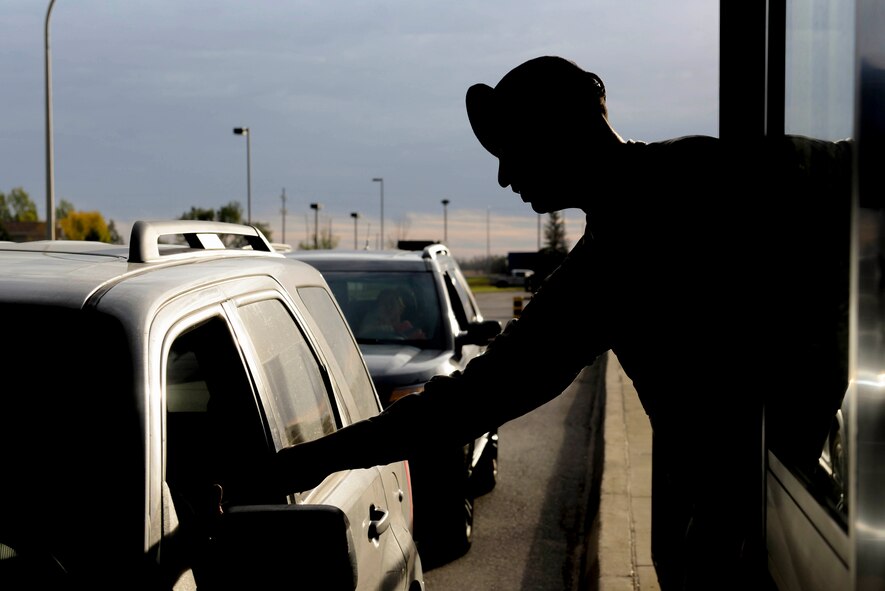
[{"x": 624, "y": 554}]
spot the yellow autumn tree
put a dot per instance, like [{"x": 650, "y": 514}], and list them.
[{"x": 85, "y": 225}]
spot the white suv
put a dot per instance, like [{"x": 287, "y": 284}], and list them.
[{"x": 153, "y": 384}]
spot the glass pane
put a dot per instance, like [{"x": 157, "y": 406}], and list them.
[
  {"x": 819, "y": 109},
  {"x": 390, "y": 307},
  {"x": 820, "y": 69},
  {"x": 291, "y": 372},
  {"x": 348, "y": 355}
]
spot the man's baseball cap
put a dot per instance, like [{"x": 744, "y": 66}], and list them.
[{"x": 544, "y": 87}]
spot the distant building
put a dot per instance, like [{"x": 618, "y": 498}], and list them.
[{"x": 24, "y": 231}]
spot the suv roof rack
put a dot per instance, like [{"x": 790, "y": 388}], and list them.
[
  {"x": 414, "y": 244},
  {"x": 434, "y": 249},
  {"x": 202, "y": 235}
]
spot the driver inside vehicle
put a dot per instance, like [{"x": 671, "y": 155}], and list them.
[{"x": 385, "y": 320}]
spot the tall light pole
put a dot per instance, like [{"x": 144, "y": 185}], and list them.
[
  {"x": 381, "y": 180},
  {"x": 245, "y": 131},
  {"x": 316, "y": 224},
  {"x": 539, "y": 231},
  {"x": 488, "y": 238},
  {"x": 50, "y": 170},
  {"x": 355, "y": 215},
  {"x": 445, "y": 204},
  {"x": 283, "y": 213}
]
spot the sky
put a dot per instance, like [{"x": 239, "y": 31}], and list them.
[{"x": 146, "y": 94}]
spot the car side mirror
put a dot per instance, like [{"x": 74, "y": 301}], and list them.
[
  {"x": 258, "y": 546},
  {"x": 480, "y": 333}
]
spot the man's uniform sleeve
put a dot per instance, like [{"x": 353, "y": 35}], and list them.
[{"x": 561, "y": 330}]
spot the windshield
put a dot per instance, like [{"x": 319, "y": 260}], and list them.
[{"x": 384, "y": 307}]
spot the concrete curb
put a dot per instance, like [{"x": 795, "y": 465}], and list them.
[{"x": 624, "y": 559}]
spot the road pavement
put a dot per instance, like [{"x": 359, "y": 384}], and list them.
[
  {"x": 591, "y": 444},
  {"x": 535, "y": 531}
]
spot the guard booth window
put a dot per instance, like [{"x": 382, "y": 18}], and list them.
[{"x": 819, "y": 113}]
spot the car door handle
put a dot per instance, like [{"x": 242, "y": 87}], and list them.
[{"x": 379, "y": 521}]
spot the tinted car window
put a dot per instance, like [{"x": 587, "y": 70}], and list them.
[
  {"x": 291, "y": 372},
  {"x": 213, "y": 420}
]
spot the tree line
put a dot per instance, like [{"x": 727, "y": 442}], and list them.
[{"x": 17, "y": 206}]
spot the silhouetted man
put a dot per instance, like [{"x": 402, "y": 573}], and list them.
[{"x": 684, "y": 272}]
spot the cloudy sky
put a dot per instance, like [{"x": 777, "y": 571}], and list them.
[{"x": 146, "y": 94}]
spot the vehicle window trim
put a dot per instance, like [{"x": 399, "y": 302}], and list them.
[{"x": 172, "y": 332}]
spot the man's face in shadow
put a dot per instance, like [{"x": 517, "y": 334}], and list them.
[{"x": 543, "y": 158}]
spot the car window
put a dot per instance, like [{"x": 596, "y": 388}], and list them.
[
  {"x": 298, "y": 389},
  {"x": 348, "y": 355},
  {"x": 365, "y": 295},
  {"x": 209, "y": 391}
]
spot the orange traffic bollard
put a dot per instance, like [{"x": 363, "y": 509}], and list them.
[{"x": 517, "y": 305}]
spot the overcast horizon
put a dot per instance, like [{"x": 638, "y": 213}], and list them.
[{"x": 146, "y": 94}]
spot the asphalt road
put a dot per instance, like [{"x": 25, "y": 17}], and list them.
[{"x": 536, "y": 530}]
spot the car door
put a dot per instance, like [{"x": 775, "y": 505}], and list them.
[
  {"x": 302, "y": 404},
  {"x": 240, "y": 378}
]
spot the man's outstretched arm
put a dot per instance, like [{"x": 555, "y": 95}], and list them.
[{"x": 530, "y": 363}]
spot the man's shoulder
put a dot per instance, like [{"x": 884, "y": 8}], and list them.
[
  {"x": 688, "y": 142},
  {"x": 675, "y": 157},
  {"x": 682, "y": 147}
]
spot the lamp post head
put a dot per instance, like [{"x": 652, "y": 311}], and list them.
[
  {"x": 316, "y": 206},
  {"x": 445, "y": 202},
  {"x": 354, "y": 214},
  {"x": 377, "y": 180},
  {"x": 241, "y": 130}
]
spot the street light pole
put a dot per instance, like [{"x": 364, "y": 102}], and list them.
[
  {"x": 539, "y": 231},
  {"x": 445, "y": 204},
  {"x": 50, "y": 167},
  {"x": 355, "y": 215},
  {"x": 245, "y": 131},
  {"x": 488, "y": 238},
  {"x": 381, "y": 180},
  {"x": 283, "y": 212},
  {"x": 316, "y": 224}
]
